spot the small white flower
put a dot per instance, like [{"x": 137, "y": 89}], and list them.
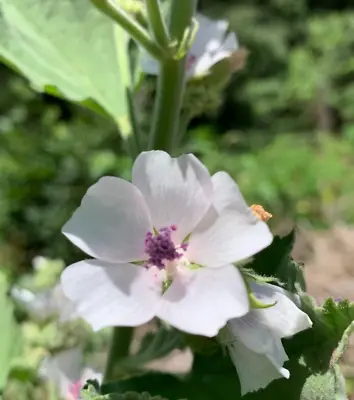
[
  {"x": 254, "y": 341},
  {"x": 65, "y": 371},
  {"x": 163, "y": 245},
  {"x": 46, "y": 303},
  {"x": 211, "y": 45}
]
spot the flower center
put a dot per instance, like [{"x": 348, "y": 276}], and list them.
[{"x": 161, "y": 248}]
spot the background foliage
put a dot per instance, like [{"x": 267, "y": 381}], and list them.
[
  {"x": 290, "y": 107},
  {"x": 284, "y": 131}
]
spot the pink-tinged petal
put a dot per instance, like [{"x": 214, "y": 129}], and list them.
[
  {"x": 255, "y": 371},
  {"x": 177, "y": 190},
  {"x": 111, "y": 222},
  {"x": 285, "y": 319},
  {"x": 202, "y": 301},
  {"x": 62, "y": 369},
  {"x": 228, "y": 232},
  {"x": 111, "y": 294}
]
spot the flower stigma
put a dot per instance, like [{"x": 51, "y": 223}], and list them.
[{"x": 165, "y": 255}]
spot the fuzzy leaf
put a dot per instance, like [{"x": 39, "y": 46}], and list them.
[
  {"x": 276, "y": 261},
  {"x": 328, "y": 386},
  {"x": 69, "y": 49},
  {"x": 323, "y": 344}
]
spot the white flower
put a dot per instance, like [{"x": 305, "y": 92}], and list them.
[
  {"x": 164, "y": 219},
  {"x": 254, "y": 341},
  {"x": 46, "y": 303},
  {"x": 65, "y": 371},
  {"x": 211, "y": 45}
]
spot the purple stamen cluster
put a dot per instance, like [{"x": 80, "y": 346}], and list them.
[{"x": 161, "y": 248}]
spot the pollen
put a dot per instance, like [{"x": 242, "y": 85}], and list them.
[
  {"x": 161, "y": 249},
  {"x": 259, "y": 212}
]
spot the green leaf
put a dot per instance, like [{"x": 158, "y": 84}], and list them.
[
  {"x": 212, "y": 377},
  {"x": 69, "y": 49},
  {"x": 10, "y": 335},
  {"x": 276, "y": 261},
  {"x": 323, "y": 344},
  {"x": 153, "y": 346},
  {"x": 327, "y": 386}
]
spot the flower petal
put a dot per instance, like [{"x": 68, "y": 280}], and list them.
[
  {"x": 205, "y": 300},
  {"x": 230, "y": 43},
  {"x": 177, "y": 190},
  {"x": 111, "y": 294},
  {"x": 62, "y": 369},
  {"x": 229, "y": 232},
  {"x": 229, "y": 46},
  {"x": 210, "y": 35},
  {"x": 284, "y": 318},
  {"x": 227, "y": 196},
  {"x": 111, "y": 222},
  {"x": 255, "y": 371},
  {"x": 201, "y": 65}
]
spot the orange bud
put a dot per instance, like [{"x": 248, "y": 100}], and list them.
[{"x": 260, "y": 212}]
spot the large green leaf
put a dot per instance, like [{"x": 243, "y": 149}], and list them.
[
  {"x": 70, "y": 49},
  {"x": 10, "y": 335}
]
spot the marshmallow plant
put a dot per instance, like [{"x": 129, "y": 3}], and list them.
[
  {"x": 164, "y": 246},
  {"x": 175, "y": 245}
]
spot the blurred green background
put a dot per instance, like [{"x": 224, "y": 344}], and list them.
[{"x": 285, "y": 130}]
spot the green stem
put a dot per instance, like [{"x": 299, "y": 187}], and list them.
[
  {"x": 171, "y": 82},
  {"x": 120, "y": 346},
  {"x": 131, "y": 26},
  {"x": 157, "y": 24},
  {"x": 182, "y": 128}
]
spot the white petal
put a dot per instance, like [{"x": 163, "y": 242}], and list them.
[
  {"x": 231, "y": 43},
  {"x": 202, "y": 65},
  {"x": 62, "y": 369},
  {"x": 257, "y": 336},
  {"x": 229, "y": 239},
  {"x": 111, "y": 222},
  {"x": 210, "y": 35},
  {"x": 229, "y": 46},
  {"x": 204, "y": 301},
  {"x": 227, "y": 196},
  {"x": 111, "y": 294},
  {"x": 177, "y": 190},
  {"x": 254, "y": 370},
  {"x": 228, "y": 232},
  {"x": 284, "y": 318}
]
